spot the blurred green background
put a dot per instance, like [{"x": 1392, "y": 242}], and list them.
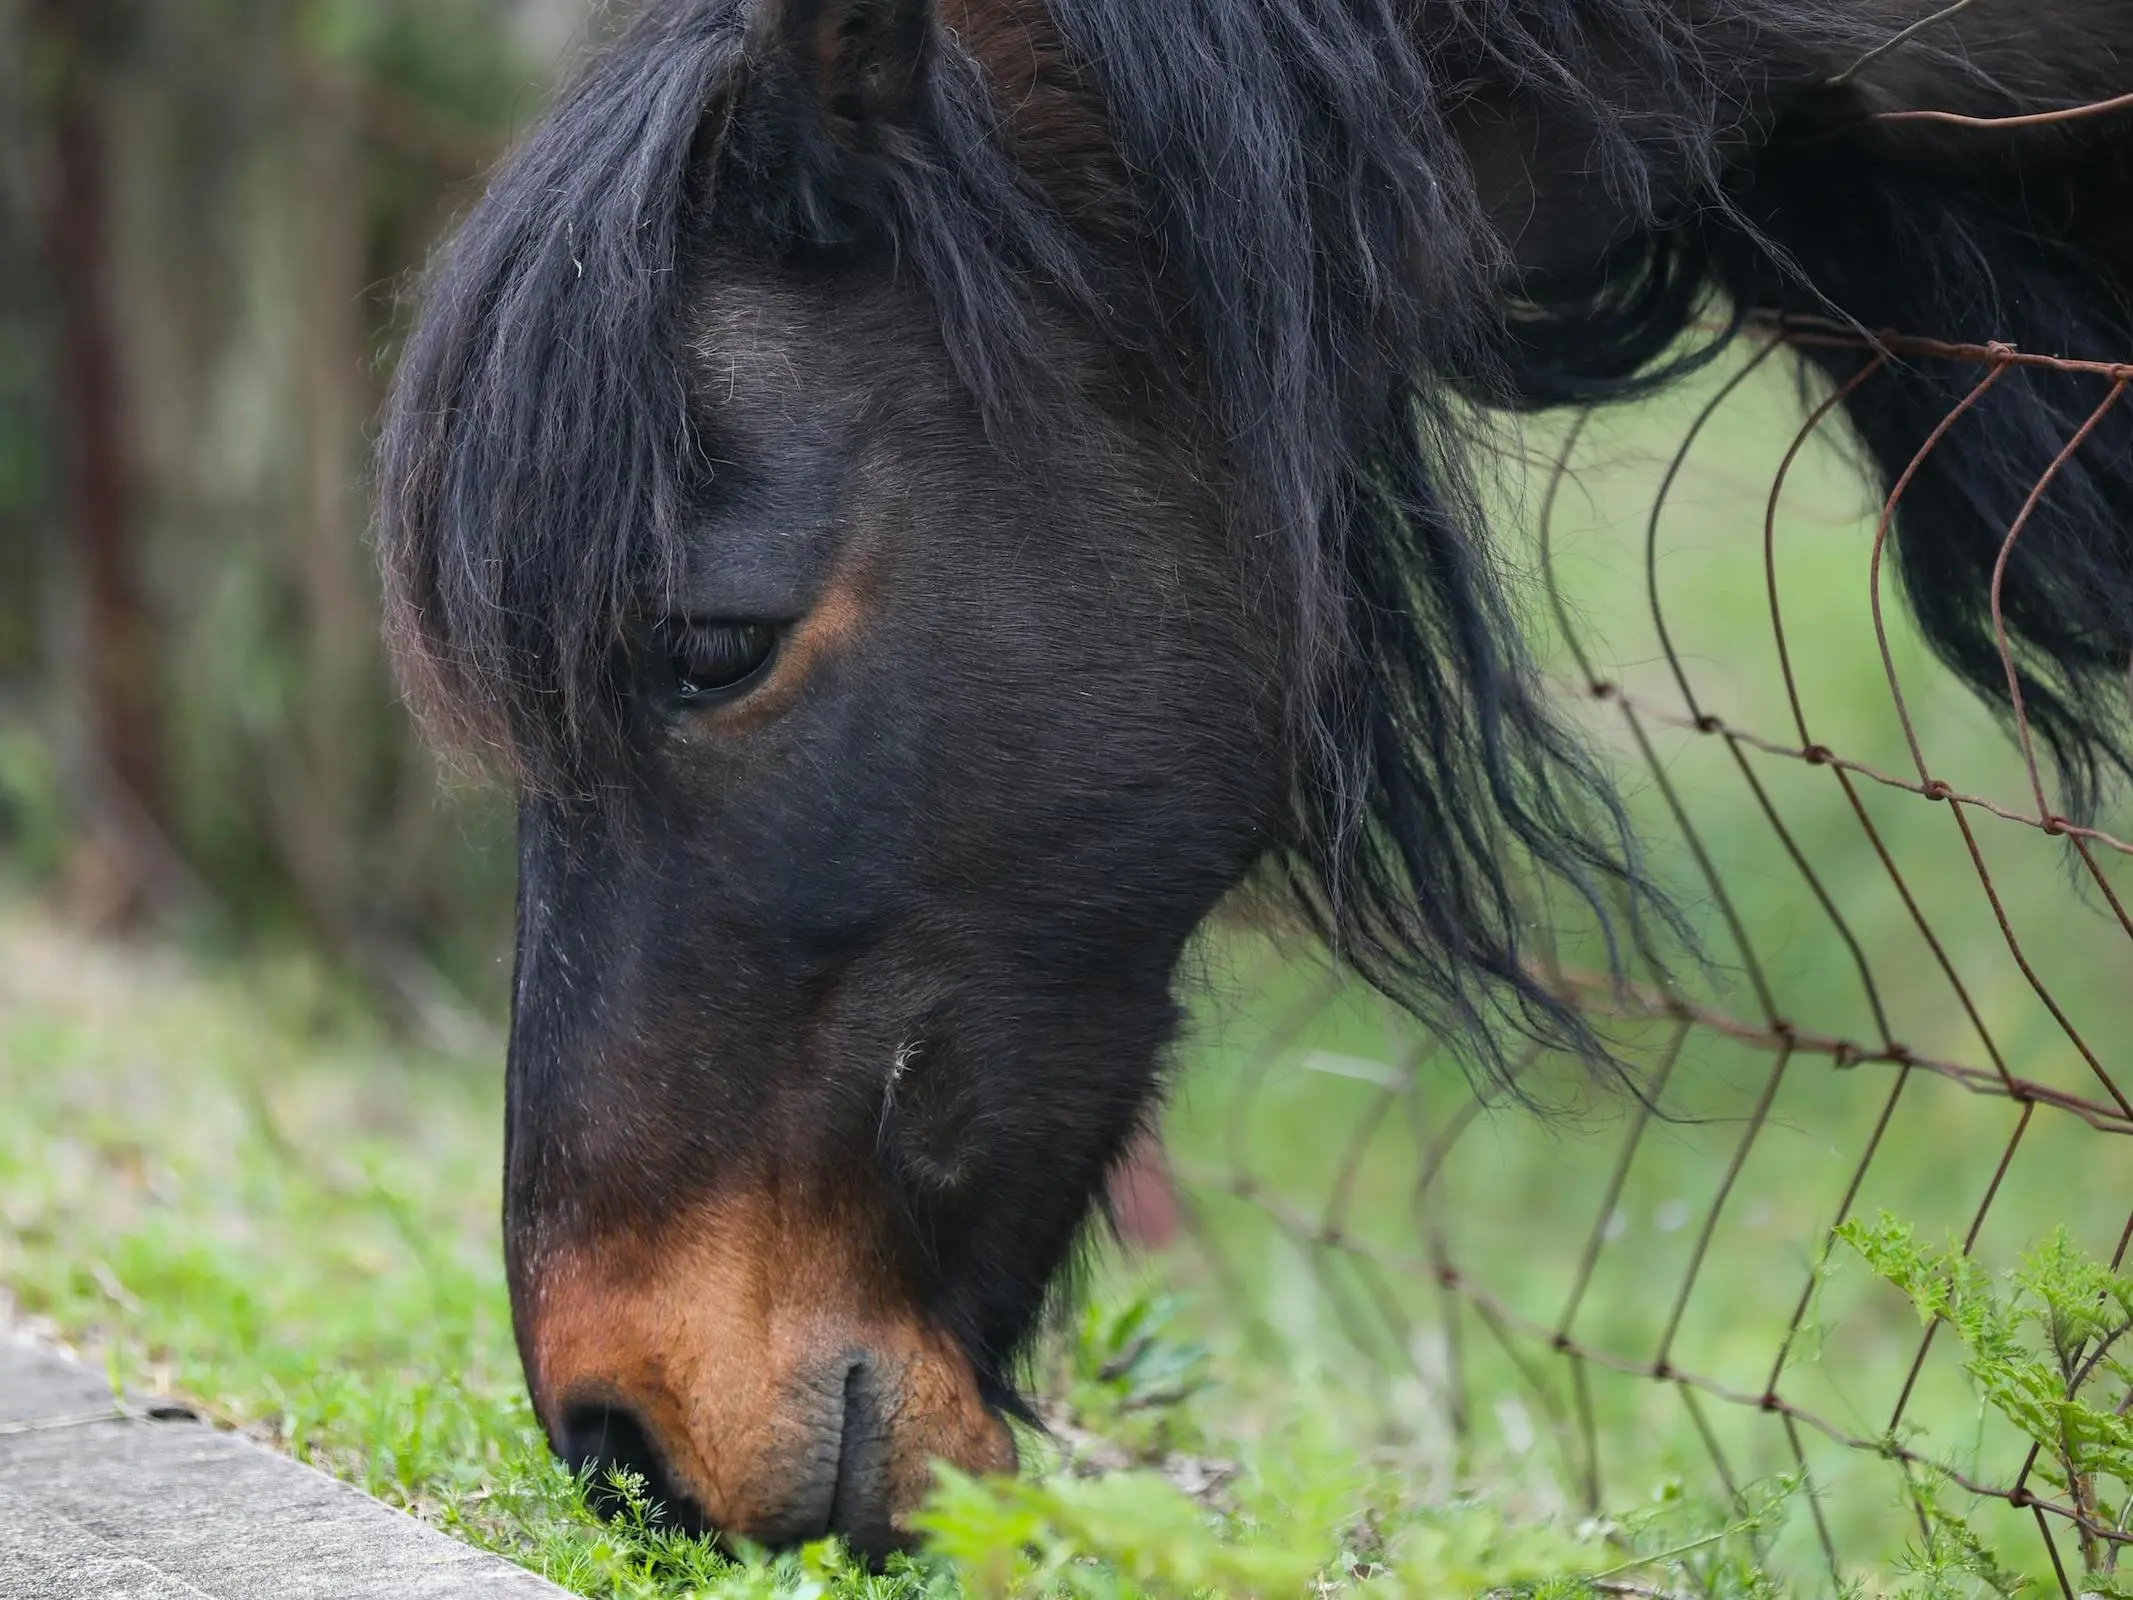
[
  {"x": 262, "y": 1169},
  {"x": 211, "y": 216}
]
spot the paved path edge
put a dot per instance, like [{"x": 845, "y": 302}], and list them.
[{"x": 103, "y": 1499}]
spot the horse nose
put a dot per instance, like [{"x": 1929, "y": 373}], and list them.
[
  {"x": 759, "y": 1369},
  {"x": 836, "y": 1467},
  {"x": 610, "y": 1441}
]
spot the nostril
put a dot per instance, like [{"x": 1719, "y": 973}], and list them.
[
  {"x": 859, "y": 1495},
  {"x": 610, "y": 1440}
]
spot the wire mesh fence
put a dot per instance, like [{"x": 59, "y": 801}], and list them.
[{"x": 1916, "y": 1005}]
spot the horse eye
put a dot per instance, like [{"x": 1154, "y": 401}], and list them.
[{"x": 715, "y": 661}]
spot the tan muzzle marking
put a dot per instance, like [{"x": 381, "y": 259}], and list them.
[{"x": 717, "y": 1337}]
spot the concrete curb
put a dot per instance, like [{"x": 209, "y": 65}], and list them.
[{"x": 103, "y": 1502}]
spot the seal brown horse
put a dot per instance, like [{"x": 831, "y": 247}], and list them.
[{"x": 924, "y": 498}]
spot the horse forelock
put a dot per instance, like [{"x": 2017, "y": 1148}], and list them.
[{"x": 533, "y": 462}]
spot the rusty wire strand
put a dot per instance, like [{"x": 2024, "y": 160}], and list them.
[
  {"x": 2033, "y": 119},
  {"x": 1816, "y": 755},
  {"x": 2053, "y": 822},
  {"x": 1605, "y": 998}
]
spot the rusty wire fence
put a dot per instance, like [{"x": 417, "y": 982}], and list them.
[{"x": 1920, "y": 1002}]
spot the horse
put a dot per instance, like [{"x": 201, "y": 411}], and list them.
[{"x": 926, "y": 499}]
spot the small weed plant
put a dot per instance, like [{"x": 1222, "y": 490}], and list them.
[{"x": 2047, "y": 1348}]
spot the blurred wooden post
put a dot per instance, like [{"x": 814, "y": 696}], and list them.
[{"x": 122, "y": 665}]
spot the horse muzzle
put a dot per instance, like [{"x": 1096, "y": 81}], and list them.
[{"x": 756, "y": 1372}]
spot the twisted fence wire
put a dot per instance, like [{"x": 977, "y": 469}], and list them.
[{"x": 1548, "y": 1353}]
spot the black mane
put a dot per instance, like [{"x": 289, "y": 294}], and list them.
[{"x": 1348, "y": 292}]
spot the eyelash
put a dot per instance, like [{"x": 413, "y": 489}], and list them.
[{"x": 715, "y": 662}]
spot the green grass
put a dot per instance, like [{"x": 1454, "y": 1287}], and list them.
[{"x": 228, "y": 1182}]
